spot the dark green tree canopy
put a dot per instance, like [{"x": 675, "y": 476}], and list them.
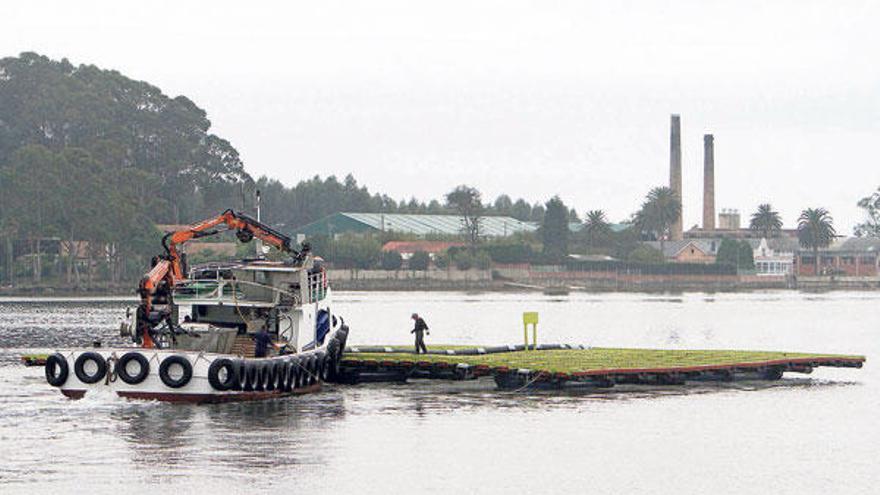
[
  {"x": 816, "y": 231},
  {"x": 659, "y": 211},
  {"x": 596, "y": 230},
  {"x": 554, "y": 228},
  {"x": 871, "y": 226},
  {"x": 120, "y": 122},
  {"x": 766, "y": 221}
]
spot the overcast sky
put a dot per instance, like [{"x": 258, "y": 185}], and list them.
[{"x": 526, "y": 98}]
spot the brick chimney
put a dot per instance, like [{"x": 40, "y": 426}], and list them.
[
  {"x": 708, "y": 182},
  {"x": 675, "y": 171}
]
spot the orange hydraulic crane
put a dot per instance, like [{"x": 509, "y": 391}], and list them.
[{"x": 168, "y": 269}]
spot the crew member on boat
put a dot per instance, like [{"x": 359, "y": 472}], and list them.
[
  {"x": 262, "y": 340},
  {"x": 419, "y": 329}
]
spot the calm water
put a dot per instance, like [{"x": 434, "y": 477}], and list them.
[{"x": 813, "y": 434}]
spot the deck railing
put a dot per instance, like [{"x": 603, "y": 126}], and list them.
[{"x": 231, "y": 291}]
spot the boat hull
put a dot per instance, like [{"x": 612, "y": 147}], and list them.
[{"x": 194, "y": 377}]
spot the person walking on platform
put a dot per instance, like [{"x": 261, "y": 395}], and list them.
[{"x": 419, "y": 329}]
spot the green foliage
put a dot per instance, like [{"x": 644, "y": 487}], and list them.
[
  {"x": 356, "y": 252},
  {"x": 596, "y": 231},
  {"x": 572, "y": 361},
  {"x": 122, "y": 124},
  {"x": 659, "y": 211},
  {"x": 645, "y": 254},
  {"x": 464, "y": 259},
  {"x": 442, "y": 261},
  {"x": 467, "y": 202},
  {"x": 816, "y": 231},
  {"x": 766, "y": 221},
  {"x": 816, "y": 228},
  {"x": 728, "y": 253},
  {"x": 746, "y": 258},
  {"x": 419, "y": 261},
  {"x": 735, "y": 253},
  {"x": 554, "y": 229},
  {"x": 871, "y": 226},
  {"x": 510, "y": 252},
  {"x": 391, "y": 260}
]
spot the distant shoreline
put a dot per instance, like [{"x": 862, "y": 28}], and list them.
[{"x": 49, "y": 293}]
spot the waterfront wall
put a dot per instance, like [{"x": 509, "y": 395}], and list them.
[
  {"x": 452, "y": 279},
  {"x": 524, "y": 276}
]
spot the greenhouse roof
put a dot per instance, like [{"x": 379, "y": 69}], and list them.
[{"x": 339, "y": 223}]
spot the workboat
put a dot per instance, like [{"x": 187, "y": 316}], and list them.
[{"x": 196, "y": 331}]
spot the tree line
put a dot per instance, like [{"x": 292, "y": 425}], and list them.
[{"x": 95, "y": 159}]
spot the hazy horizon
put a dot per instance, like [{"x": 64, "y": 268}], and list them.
[{"x": 510, "y": 97}]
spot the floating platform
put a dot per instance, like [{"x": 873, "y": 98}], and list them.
[
  {"x": 34, "y": 359},
  {"x": 557, "y": 366}
]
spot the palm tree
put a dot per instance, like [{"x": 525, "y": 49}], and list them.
[
  {"x": 660, "y": 210},
  {"x": 596, "y": 227},
  {"x": 766, "y": 221},
  {"x": 816, "y": 231}
]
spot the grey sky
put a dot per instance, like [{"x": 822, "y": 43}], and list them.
[{"x": 529, "y": 98}]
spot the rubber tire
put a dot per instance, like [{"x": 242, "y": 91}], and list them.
[
  {"x": 281, "y": 366},
  {"x": 327, "y": 368},
  {"x": 241, "y": 375},
  {"x": 122, "y": 373},
  {"x": 303, "y": 380},
  {"x": 53, "y": 361},
  {"x": 251, "y": 375},
  {"x": 78, "y": 367},
  {"x": 166, "y": 364},
  {"x": 214, "y": 374},
  {"x": 292, "y": 375},
  {"x": 312, "y": 366},
  {"x": 334, "y": 350},
  {"x": 267, "y": 375}
]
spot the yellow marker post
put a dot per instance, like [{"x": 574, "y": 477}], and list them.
[{"x": 530, "y": 318}]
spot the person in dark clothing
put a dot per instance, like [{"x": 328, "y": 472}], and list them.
[
  {"x": 262, "y": 341},
  {"x": 419, "y": 329}
]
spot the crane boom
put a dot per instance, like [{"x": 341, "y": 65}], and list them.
[{"x": 168, "y": 271}]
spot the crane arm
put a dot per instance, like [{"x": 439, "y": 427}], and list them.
[
  {"x": 168, "y": 268},
  {"x": 246, "y": 229}
]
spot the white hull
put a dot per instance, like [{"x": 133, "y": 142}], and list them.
[{"x": 292, "y": 374}]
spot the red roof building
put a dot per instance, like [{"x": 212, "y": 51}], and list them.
[{"x": 407, "y": 248}]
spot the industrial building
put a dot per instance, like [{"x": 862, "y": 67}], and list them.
[{"x": 420, "y": 225}]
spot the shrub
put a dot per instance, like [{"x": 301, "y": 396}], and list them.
[
  {"x": 645, "y": 254},
  {"x": 356, "y": 252},
  {"x": 463, "y": 261},
  {"x": 419, "y": 261},
  {"x": 510, "y": 253},
  {"x": 391, "y": 260}
]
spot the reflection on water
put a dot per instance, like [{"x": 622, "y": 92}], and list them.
[{"x": 803, "y": 434}]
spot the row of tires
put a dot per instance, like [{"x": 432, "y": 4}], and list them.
[{"x": 283, "y": 373}]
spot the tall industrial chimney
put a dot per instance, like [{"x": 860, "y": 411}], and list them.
[
  {"x": 675, "y": 171},
  {"x": 708, "y": 182}
]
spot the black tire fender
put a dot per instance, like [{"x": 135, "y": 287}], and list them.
[
  {"x": 326, "y": 368},
  {"x": 164, "y": 368},
  {"x": 292, "y": 374},
  {"x": 57, "y": 370},
  {"x": 251, "y": 376},
  {"x": 79, "y": 367},
  {"x": 122, "y": 370},
  {"x": 313, "y": 369},
  {"x": 240, "y": 375},
  {"x": 281, "y": 366},
  {"x": 214, "y": 374},
  {"x": 264, "y": 374}
]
